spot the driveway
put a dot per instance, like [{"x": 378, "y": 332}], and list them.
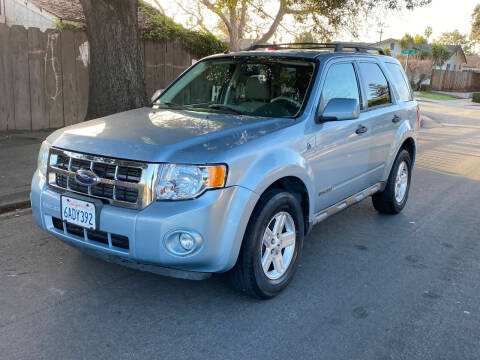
[{"x": 369, "y": 286}]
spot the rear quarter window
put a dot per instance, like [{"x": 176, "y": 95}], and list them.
[
  {"x": 375, "y": 85},
  {"x": 399, "y": 82}
]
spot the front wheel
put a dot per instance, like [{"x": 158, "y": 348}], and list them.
[
  {"x": 393, "y": 198},
  {"x": 271, "y": 246}
]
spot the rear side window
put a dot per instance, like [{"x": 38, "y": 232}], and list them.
[
  {"x": 341, "y": 82},
  {"x": 376, "y": 85},
  {"x": 400, "y": 82}
]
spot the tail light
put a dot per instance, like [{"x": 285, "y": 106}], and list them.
[{"x": 418, "y": 118}]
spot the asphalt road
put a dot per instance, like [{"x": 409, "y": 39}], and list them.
[{"x": 369, "y": 286}]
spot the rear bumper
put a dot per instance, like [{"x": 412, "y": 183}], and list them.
[{"x": 219, "y": 216}]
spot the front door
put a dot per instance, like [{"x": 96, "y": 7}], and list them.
[{"x": 341, "y": 154}]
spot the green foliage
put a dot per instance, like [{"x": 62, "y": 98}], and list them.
[
  {"x": 456, "y": 38},
  {"x": 419, "y": 39},
  {"x": 476, "y": 97},
  {"x": 406, "y": 42},
  {"x": 304, "y": 37},
  {"x": 424, "y": 54},
  {"x": 413, "y": 85},
  {"x": 160, "y": 27},
  {"x": 428, "y": 32},
  {"x": 387, "y": 51},
  {"x": 425, "y": 87},
  {"x": 60, "y": 26},
  {"x": 475, "y": 34},
  {"x": 440, "y": 54}
]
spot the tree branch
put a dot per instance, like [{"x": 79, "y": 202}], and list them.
[
  {"x": 217, "y": 11},
  {"x": 273, "y": 27}
]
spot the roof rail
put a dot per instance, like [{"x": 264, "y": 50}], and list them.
[{"x": 337, "y": 46}]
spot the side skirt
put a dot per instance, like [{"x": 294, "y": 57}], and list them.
[{"x": 342, "y": 205}]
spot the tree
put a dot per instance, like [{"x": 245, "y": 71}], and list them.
[
  {"x": 419, "y": 39},
  {"x": 387, "y": 51},
  {"x": 475, "y": 34},
  {"x": 428, "y": 32},
  {"x": 116, "y": 70},
  {"x": 440, "y": 54},
  {"x": 263, "y": 18},
  {"x": 304, "y": 37},
  {"x": 456, "y": 38},
  {"x": 418, "y": 70},
  {"x": 406, "y": 42}
]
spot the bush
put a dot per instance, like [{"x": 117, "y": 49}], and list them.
[
  {"x": 160, "y": 27},
  {"x": 414, "y": 86},
  {"x": 425, "y": 87},
  {"x": 476, "y": 97}
]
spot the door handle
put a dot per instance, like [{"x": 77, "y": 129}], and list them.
[
  {"x": 361, "y": 129},
  {"x": 396, "y": 119}
]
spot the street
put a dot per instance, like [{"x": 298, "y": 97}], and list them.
[{"x": 369, "y": 286}]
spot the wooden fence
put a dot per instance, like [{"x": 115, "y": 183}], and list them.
[
  {"x": 443, "y": 80},
  {"x": 44, "y": 75}
]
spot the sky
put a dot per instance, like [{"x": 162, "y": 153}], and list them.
[{"x": 441, "y": 15}]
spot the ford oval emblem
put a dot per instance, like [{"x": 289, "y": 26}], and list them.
[{"x": 86, "y": 177}]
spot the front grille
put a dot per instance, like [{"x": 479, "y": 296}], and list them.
[
  {"x": 121, "y": 182},
  {"x": 116, "y": 241}
]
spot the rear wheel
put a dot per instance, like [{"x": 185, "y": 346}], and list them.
[
  {"x": 393, "y": 198},
  {"x": 271, "y": 246}
]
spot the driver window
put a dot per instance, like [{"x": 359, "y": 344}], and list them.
[{"x": 341, "y": 82}]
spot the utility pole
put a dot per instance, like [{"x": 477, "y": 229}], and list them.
[{"x": 381, "y": 25}]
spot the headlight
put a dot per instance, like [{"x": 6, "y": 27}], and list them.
[
  {"x": 42, "y": 161},
  {"x": 181, "y": 182}
]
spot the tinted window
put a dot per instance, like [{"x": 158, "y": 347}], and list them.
[
  {"x": 400, "y": 82},
  {"x": 376, "y": 85},
  {"x": 341, "y": 82}
]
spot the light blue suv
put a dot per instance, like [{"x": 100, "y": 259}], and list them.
[{"x": 233, "y": 163}]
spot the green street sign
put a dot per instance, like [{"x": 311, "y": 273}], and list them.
[{"x": 410, "y": 52}]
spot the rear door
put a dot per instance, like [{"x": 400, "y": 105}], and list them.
[{"x": 381, "y": 116}]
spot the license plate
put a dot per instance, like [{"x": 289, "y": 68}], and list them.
[{"x": 78, "y": 212}]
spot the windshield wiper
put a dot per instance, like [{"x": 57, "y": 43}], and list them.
[
  {"x": 173, "y": 105},
  {"x": 226, "y": 108}
]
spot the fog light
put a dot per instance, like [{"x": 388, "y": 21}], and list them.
[
  {"x": 187, "y": 241},
  {"x": 183, "y": 242}
]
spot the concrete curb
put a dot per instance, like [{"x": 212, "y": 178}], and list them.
[
  {"x": 9, "y": 207},
  {"x": 14, "y": 202}
]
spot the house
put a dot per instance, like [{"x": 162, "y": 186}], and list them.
[
  {"x": 43, "y": 13},
  {"x": 473, "y": 64},
  {"x": 392, "y": 44},
  {"x": 454, "y": 63}
]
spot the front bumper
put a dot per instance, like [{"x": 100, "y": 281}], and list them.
[{"x": 219, "y": 216}]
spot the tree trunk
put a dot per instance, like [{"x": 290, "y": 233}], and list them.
[{"x": 116, "y": 69}]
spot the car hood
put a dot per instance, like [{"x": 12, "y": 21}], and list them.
[{"x": 164, "y": 135}]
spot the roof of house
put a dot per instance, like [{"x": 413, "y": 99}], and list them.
[
  {"x": 473, "y": 61},
  {"x": 453, "y": 49},
  {"x": 386, "y": 41},
  {"x": 71, "y": 10}
]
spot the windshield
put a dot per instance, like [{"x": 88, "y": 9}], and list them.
[{"x": 252, "y": 86}]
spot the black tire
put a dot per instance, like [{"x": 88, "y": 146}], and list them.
[
  {"x": 385, "y": 201},
  {"x": 248, "y": 275}
]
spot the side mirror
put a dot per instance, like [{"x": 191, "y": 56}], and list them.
[
  {"x": 156, "y": 94},
  {"x": 339, "y": 109}
]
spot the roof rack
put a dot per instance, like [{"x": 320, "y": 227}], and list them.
[{"x": 337, "y": 46}]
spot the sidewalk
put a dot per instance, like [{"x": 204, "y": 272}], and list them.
[{"x": 18, "y": 161}]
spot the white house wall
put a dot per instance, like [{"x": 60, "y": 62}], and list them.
[
  {"x": 23, "y": 12},
  {"x": 455, "y": 63}
]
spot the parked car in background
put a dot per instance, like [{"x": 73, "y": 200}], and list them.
[{"x": 234, "y": 163}]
